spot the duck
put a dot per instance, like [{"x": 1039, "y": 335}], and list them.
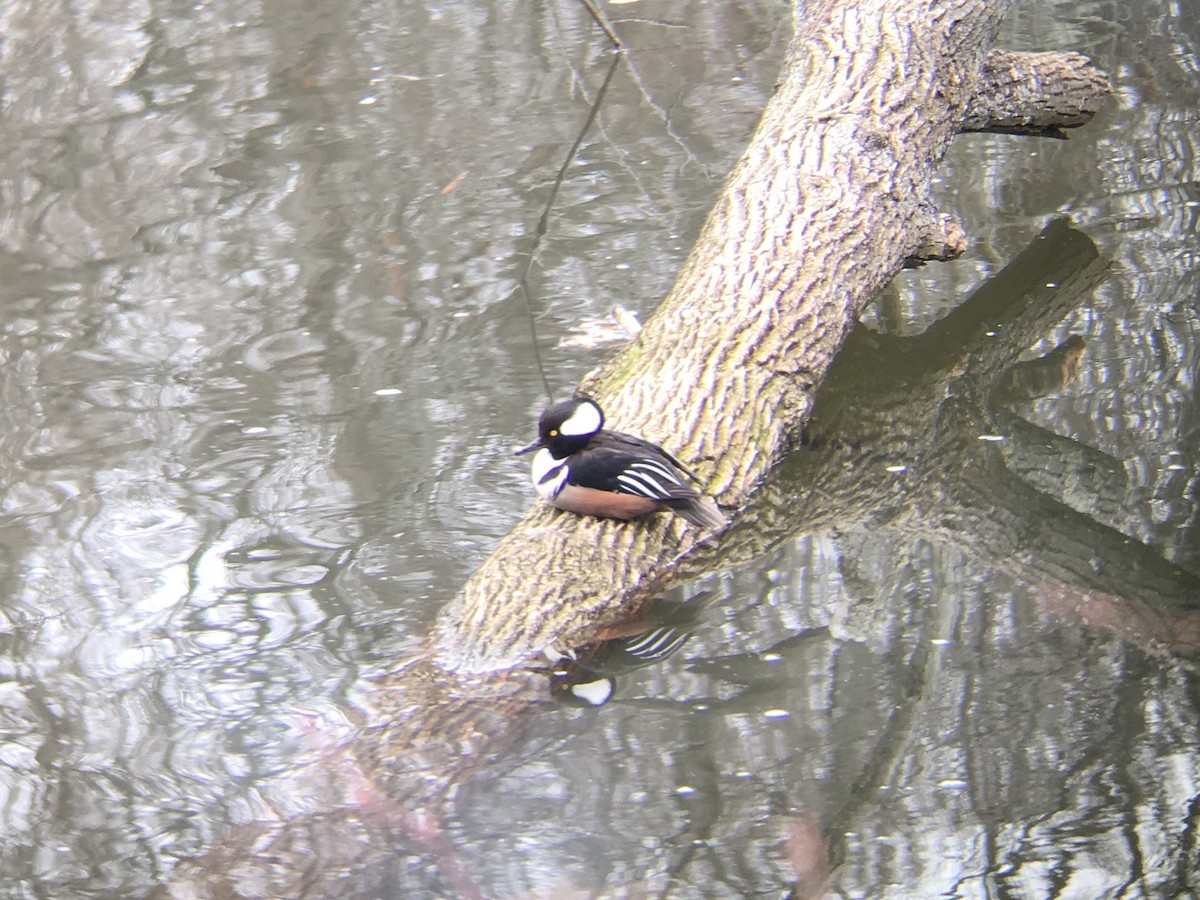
[{"x": 584, "y": 468}]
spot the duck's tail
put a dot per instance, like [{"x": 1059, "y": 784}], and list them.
[{"x": 701, "y": 510}]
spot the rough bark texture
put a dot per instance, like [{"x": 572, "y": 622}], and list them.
[
  {"x": 1012, "y": 98},
  {"x": 825, "y": 206}
]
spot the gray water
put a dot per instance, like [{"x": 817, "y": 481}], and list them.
[{"x": 266, "y": 352}]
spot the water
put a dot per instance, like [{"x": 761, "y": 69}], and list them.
[{"x": 264, "y": 358}]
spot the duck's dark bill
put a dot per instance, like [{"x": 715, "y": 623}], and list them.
[{"x": 536, "y": 445}]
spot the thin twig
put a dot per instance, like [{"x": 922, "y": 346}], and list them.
[
  {"x": 599, "y": 19},
  {"x": 544, "y": 221}
]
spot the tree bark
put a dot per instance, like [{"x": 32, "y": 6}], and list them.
[
  {"x": 1012, "y": 98},
  {"x": 829, "y": 201}
]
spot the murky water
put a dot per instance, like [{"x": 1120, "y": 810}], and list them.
[{"x": 265, "y": 353}]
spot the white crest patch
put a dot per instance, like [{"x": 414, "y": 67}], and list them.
[
  {"x": 548, "y": 474},
  {"x": 585, "y": 420}
]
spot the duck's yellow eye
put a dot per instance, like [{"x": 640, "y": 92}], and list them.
[{"x": 553, "y": 432}]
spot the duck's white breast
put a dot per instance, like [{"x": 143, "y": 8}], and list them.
[{"x": 548, "y": 474}]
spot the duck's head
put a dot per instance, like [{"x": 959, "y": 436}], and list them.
[{"x": 567, "y": 426}]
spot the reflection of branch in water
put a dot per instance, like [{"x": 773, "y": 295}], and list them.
[
  {"x": 1040, "y": 377},
  {"x": 918, "y": 406},
  {"x": 373, "y": 806},
  {"x": 1086, "y": 479},
  {"x": 890, "y": 749},
  {"x": 896, "y": 441}
]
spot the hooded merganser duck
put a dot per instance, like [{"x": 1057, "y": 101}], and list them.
[{"x": 583, "y": 468}]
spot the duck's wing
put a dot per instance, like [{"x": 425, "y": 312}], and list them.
[
  {"x": 619, "y": 440},
  {"x": 613, "y": 468}
]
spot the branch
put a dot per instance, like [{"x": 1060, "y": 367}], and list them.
[{"x": 1036, "y": 93}]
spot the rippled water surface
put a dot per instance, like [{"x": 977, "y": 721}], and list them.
[{"x": 265, "y": 352}]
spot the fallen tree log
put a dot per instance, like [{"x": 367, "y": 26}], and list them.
[{"x": 829, "y": 201}]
